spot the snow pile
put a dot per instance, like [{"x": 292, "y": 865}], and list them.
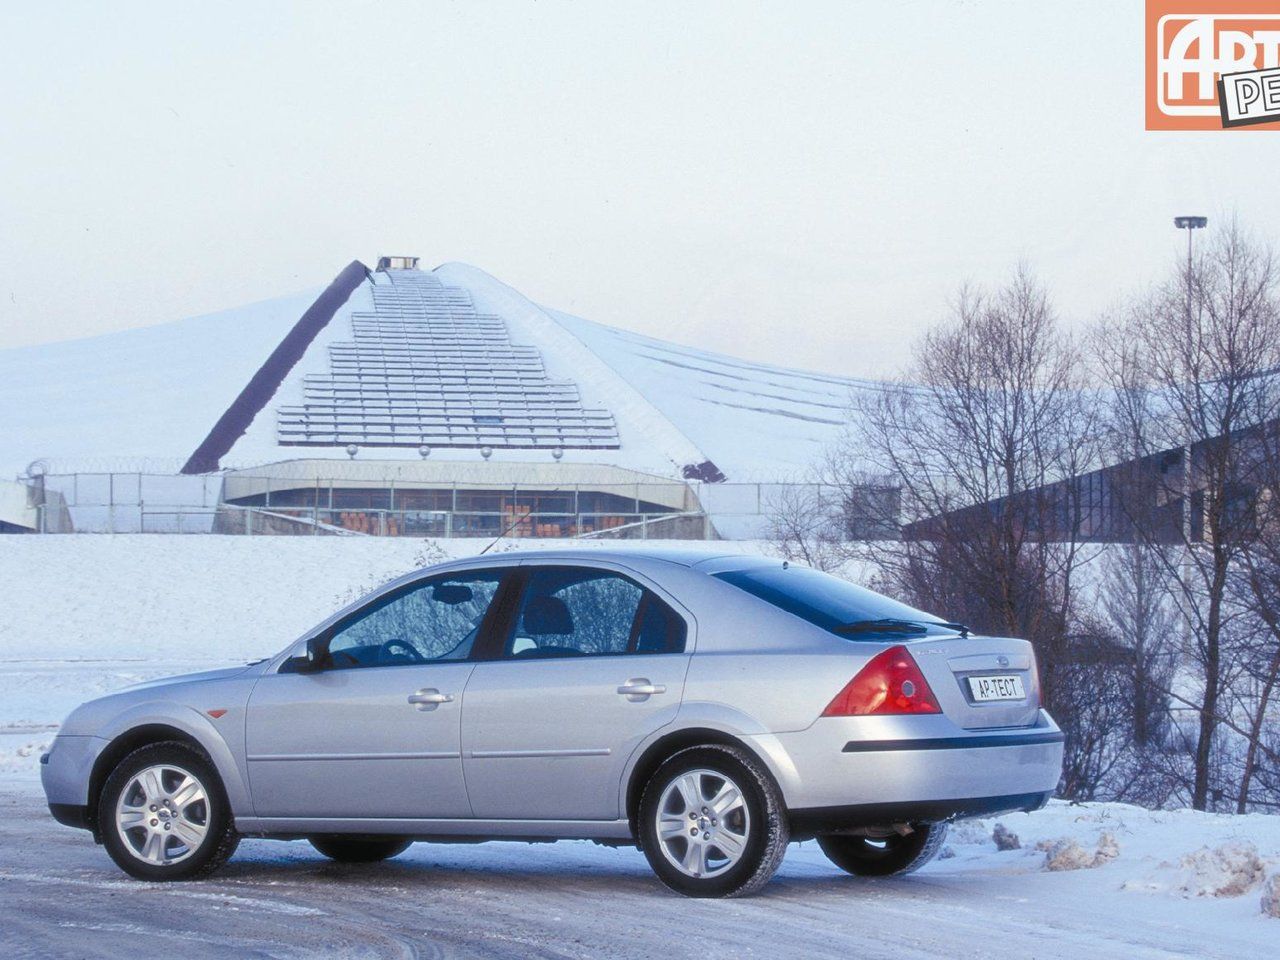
[
  {"x": 1228, "y": 870},
  {"x": 1271, "y": 896},
  {"x": 1179, "y": 854},
  {"x": 1005, "y": 839},
  {"x": 1067, "y": 854},
  {"x": 23, "y": 753}
]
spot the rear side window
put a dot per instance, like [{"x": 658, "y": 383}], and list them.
[
  {"x": 576, "y": 611},
  {"x": 659, "y": 629},
  {"x": 834, "y": 604}
]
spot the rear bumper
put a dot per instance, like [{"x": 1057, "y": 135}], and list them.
[
  {"x": 977, "y": 742},
  {"x": 913, "y": 768},
  {"x": 815, "y": 821}
]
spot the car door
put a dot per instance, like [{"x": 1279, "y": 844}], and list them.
[
  {"x": 376, "y": 731},
  {"x": 590, "y": 663}
]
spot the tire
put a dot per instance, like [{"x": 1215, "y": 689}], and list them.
[
  {"x": 163, "y": 814},
  {"x": 354, "y": 849},
  {"x": 888, "y": 856},
  {"x": 753, "y": 826}
]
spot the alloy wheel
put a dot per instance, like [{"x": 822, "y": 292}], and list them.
[
  {"x": 162, "y": 814},
  {"x": 703, "y": 823}
]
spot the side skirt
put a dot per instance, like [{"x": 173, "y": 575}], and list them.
[{"x": 286, "y": 828}]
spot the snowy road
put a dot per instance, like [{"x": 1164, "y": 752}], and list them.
[{"x": 61, "y": 897}]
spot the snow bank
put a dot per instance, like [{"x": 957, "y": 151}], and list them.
[
  {"x": 84, "y": 614},
  {"x": 1175, "y": 856},
  {"x": 149, "y": 597},
  {"x": 1067, "y": 854},
  {"x": 1228, "y": 870}
]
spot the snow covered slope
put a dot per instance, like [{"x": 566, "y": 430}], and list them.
[
  {"x": 758, "y": 422},
  {"x": 149, "y": 393},
  {"x": 755, "y": 422},
  {"x": 155, "y": 393}
]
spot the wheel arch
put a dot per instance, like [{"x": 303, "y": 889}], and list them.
[
  {"x": 123, "y": 745},
  {"x": 671, "y": 743}
]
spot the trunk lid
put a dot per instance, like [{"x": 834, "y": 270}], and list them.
[{"x": 948, "y": 663}]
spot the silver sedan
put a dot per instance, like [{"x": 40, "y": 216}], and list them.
[{"x": 708, "y": 708}]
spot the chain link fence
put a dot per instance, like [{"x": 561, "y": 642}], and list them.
[
  {"x": 90, "y": 501},
  {"x": 246, "y": 504}
]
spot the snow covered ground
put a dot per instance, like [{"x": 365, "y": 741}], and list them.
[
  {"x": 84, "y": 614},
  {"x": 61, "y": 897}
]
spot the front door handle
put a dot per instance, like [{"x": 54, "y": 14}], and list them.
[
  {"x": 640, "y": 688},
  {"x": 428, "y": 698}
]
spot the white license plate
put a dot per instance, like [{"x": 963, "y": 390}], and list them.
[{"x": 985, "y": 689}]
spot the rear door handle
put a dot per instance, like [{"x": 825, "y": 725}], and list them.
[
  {"x": 640, "y": 688},
  {"x": 428, "y": 698}
]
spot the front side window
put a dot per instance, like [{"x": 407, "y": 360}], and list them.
[
  {"x": 834, "y": 604},
  {"x": 437, "y": 619},
  {"x": 569, "y": 612}
]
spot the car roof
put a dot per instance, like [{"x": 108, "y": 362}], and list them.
[{"x": 685, "y": 556}]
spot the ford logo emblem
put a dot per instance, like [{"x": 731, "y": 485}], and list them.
[{"x": 1002, "y": 660}]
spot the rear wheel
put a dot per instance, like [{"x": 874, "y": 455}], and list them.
[
  {"x": 885, "y": 856},
  {"x": 163, "y": 814},
  {"x": 712, "y": 824},
  {"x": 346, "y": 849}
]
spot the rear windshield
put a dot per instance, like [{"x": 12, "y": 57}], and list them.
[{"x": 834, "y": 604}]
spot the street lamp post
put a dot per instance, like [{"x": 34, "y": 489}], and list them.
[{"x": 1191, "y": 225}]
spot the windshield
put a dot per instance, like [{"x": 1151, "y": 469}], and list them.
[{"x": 850, "y": 611}]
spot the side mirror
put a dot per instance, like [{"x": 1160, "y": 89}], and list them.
[{"x": 314, "y": 658}]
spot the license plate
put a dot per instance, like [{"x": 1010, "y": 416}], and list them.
[{"x": 986, "y": 689}]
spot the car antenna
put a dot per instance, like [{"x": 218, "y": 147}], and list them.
[{"x": 494, "y": 542}]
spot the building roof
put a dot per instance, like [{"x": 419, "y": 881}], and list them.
[{"x": 398, "y": 359}]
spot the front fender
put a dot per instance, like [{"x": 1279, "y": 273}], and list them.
[{"x": 222, "y": 739}]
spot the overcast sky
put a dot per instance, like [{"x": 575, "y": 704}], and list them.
[{"x": 802, "y": 183}]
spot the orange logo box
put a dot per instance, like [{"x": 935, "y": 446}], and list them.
[{"x": 1191, "y": 44}]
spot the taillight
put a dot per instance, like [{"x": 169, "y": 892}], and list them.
[{"x": 890, "y": 683}]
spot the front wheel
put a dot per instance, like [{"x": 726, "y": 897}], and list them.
[
  {"x": 163, "y": 814},
  {"x": 347, "y": 849},
  {"x": 885, "y": 856},
  {"x": 712, "y": 823}
]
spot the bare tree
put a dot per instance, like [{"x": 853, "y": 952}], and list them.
[
  {"x": 978, "y": 435},
  {"x": 1261, "y": 581},
  {"x": 1134, "y": 597},
  {"x": 805, "y": 524},
  {"x": 1191, "y": 366}
]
